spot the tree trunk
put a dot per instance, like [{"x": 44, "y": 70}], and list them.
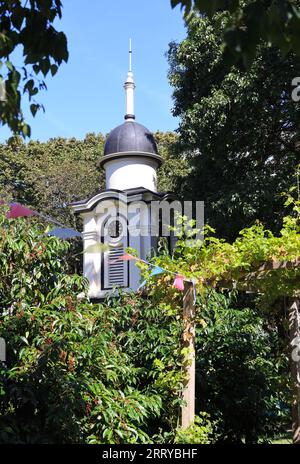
[{"x": 294, "y": 334}]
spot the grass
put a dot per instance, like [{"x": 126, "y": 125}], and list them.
[{"x": 285, "y": 440}]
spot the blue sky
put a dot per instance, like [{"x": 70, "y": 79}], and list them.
[{"x": 87, "y": 94}]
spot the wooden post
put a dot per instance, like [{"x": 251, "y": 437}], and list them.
[
  {"x": 188, "y": 411},
  {"x": 293, "y": 308}
]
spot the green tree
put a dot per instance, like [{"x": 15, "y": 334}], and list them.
[
  {"x": 48, "y": 176},
  {"x": 174, "y": 167},
  {"x": 239, "y": 130},
  {"x": 28, "y": 26},
  {"x": 248, "y": 22}
]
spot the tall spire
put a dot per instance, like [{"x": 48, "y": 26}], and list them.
[
  {"x": 130, "y": 56},
  {"x": 129, "y": 87}
]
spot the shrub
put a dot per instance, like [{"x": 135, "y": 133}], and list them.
[
  {"x": 201, "y": 432},
  {"x": 66, "y": 380},
  {"x": 241, "y": 380},
  {"x": 77, "y": 372}
]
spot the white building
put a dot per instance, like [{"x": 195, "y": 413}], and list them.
[{"x": 120, "y": 216}]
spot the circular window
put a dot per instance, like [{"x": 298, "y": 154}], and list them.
[{"x": 115, "y": 229}]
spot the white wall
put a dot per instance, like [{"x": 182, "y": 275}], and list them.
[
  {"x": 91, "y": 261},
  {"x": 127, "y": 173},
  {"x": 92, "y": 235}
]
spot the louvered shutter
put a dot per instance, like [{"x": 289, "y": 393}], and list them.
[{"x": 115, "y": 274}]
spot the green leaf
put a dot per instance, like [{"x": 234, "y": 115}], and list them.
[
  {"x": 34, "y": 108},
  {"x": 174, "y": 3},
  {"x": 9, "y": 65},
  {"x": 26, "y": 131},
  {"x": 54, "y": 69}
]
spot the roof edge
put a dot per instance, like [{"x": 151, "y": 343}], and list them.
[
  {"x": 133, "y": 154},
  {"x": 87, "y": 205}
]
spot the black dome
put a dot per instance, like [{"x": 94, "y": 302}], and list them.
[{"x": 130, "y": 137}]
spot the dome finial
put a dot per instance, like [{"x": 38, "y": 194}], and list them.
[
  {"x": 130, "y": 55},
  {"x": 129, "y": 88}
]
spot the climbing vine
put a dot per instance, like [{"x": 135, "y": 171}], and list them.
[{"x": 257, "y": 260}]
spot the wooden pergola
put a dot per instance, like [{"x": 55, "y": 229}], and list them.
[{"x": 248, "y": 281}]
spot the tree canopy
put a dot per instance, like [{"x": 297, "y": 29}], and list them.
[
  {"x": 26, "y": 27},
  {"x": 48, "y": 176},
  {"x": 249, "y": 22},
  {"x": 238, "y": 130}
]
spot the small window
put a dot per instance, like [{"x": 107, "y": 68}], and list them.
[
  {"x": 115, "y": 229},
  {"x": 114, "y": 271}
]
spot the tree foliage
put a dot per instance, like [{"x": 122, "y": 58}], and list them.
[
  {"x": 242, "y": 368},
  {"x": 248, "y": 22},
  {"x": 213, "y": 260},
  {"x": 27, "y": 27},
  {"x": 238, "y": 130},
  {"x": 77, "y": 372},
  {"x": 201, "y": 432},
  {"x": 175, "y": 168},
  {"x": 48, "y": 176}
]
